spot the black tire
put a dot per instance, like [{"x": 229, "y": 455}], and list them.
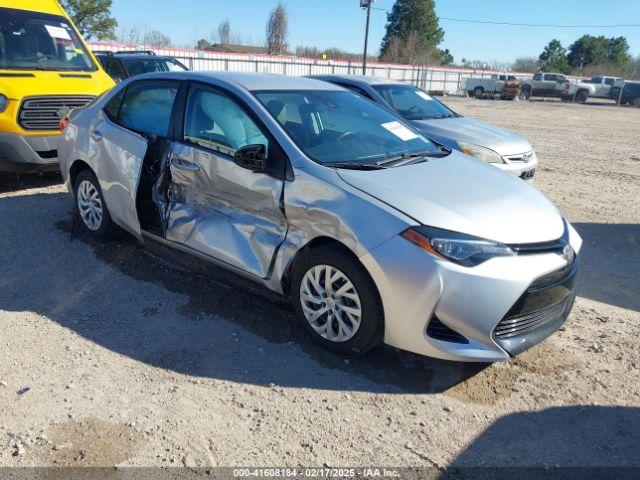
[
  {"x": 370, "y": 333},
  {"x": 636, "y": 102},
  {"x": 478, "y": 92},
  {"x": 525, "y": 94},
  {"x": 105, "y": 227},
  {"x": 581, "y": 96}
]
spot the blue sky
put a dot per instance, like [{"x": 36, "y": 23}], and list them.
[{"x": 327, "y": 23}]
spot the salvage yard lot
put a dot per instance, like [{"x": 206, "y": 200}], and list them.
[{"x": 111, "y": 354}]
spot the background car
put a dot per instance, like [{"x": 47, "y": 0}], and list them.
[
  {"x": 122, "y": 65},
  {"x": 374, "y": 232},
  {"x": 630, "y": 93},
  {"x": 502, "y": 148}
]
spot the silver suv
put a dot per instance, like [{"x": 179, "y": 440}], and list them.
[{"x": 374, "y": 232}]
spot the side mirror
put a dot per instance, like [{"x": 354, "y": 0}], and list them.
[{"x": 252, "y": 157}]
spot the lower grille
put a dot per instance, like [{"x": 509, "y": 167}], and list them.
[
  {"x": 439, "y": 331},
  {"x": 45, "y": 113},
  {"x": 519, "y": 325}
]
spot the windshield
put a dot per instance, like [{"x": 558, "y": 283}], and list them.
[
  {"x": 341, "y": 126},
  {"x": 152, "y": 65},
  {"x": 36, "y": 41},
  {"x": 412, "y": 103}
]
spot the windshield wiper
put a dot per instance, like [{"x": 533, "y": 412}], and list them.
[
  {"x": 355, "y": 166},
  {"x": 418, "y": 157}
]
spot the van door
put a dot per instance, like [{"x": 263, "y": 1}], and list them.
[
  {"x": 129, "y": 128},
  {"x": 217, "y": 207}
]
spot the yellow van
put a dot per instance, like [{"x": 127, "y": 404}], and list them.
[{"x": 45, "y": 70}]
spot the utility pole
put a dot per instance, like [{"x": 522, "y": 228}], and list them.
[{"x": 366, "y": 4}]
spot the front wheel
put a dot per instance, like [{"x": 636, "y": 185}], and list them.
[
  {"x": 581, "y": 96},
  {"x": 525, "y": 94},
  {"x": 337, "y": 301},
  {"x": 478, "y": 92},
  {"x": 91, "y": 208}
]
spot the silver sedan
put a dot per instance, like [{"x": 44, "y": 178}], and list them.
[
  {"x": 497, "y": 146},
  {"x": 374, "y": 232}
]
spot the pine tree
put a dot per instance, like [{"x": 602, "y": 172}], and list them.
[{"x": 413, "y": 19}]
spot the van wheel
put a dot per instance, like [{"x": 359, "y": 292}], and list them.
[
  {"x": 337, "y": 301},
  {"x": 478, "y": 92},
  {"x": 91, "y": 208}
]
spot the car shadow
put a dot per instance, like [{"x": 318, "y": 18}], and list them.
[
  {"x": 610, "y": 259},
  {"x": 577, "y": 442},
  {"x": 189, "y": 318},
  {"x": 13, "y": 182}
]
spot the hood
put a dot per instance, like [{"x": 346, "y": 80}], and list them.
[
  {"x": 465, "y": 195},
  {"x": 16, "y": 84},
  {"x": 473, "y": 131}
]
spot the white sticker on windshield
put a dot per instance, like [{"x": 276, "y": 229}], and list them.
[
  {"x": 58, "y": 32},
  {"x": 421, "y": 94},
  {"x": 400, "y": 131}
]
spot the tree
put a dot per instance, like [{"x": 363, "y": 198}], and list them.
[
  {"x": 277, "y": 31},
  {"x": 587, "y": 50},
  {"x": 92, "y": 18},
  {"x": 554, "y": 58},
  {"x": 203, "y": 44},
  {"x": 446, "y": 57},
  {"x": 416, "y": 19},
  {"x": 224, "y": 33},
  {"x": 617, "y": 51},
  {"x": 526, "y": 64},
  {"x": 157, "y": 39}
]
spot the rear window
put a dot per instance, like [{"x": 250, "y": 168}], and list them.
[{"x": 146, "y": 107}]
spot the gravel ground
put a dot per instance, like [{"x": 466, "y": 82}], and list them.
[{"x": 112, "y": 354}]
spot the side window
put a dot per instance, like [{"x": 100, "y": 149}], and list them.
[
  {"x": 550, "y": 77},
  {"x": 146, "y": 107},
  {"x": 537, "y": 77},
  {"x": 215, "y": 121},
  {"x": 114, "y": 69},
  {"x": 609, "y": 81},
  {"x": 503, "y": 78},
  {"x": 112, "y": 108}
]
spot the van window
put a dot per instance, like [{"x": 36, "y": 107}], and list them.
[
  {"x": 537, "y": 77},
  {"x": 147, "y": 106},
  {"x": 38, "y": 41},
  {"x": 114, "y": 69}
]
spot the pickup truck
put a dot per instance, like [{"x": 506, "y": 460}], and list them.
[
  {"x": 604, "y": 86},
  {"x": 556, "y": 85},
  {"x": 494, "y": 85}
]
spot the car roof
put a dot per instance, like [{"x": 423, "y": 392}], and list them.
[
  {"x": 366, "y": 79},
  {"x": 134, "y": 56},
  {"x": 250, "y": 81}
]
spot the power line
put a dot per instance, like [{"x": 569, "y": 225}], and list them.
[{"x": 513, "y": 24}]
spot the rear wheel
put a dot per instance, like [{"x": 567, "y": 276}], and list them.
[
  {"x": 478, "y": 92},
  {"x": 581, "y": 96},
  {"x": 337, "y": 301},
  {"x": 91, "y": 208},
  {"x": 525, "y": 94}
]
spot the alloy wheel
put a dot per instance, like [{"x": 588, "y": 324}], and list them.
[
  {"x": 330, "y": 303},
  {"x": 90, "y": 205}
]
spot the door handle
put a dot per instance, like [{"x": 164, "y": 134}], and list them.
[
  {"x": 96, "y": 135},
  {"x": 182, "y": 164}
]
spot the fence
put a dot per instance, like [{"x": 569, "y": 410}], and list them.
[{"x": 447, "y": 80}]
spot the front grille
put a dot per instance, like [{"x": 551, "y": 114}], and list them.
[
  {"x": 45, "y": 113},
  {"x": 519, "y": 325},
  {"x": 439, "y": 331},
  {"x": 522, "y": 158}
]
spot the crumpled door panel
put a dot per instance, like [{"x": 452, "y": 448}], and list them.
[
  {"x": 225, "y": 211},
  {"x": 117, "y": 160}
]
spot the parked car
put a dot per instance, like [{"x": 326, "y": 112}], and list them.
[
  {"x": 122, "y": 65},
  {"x": 493, "y": 85},
  {"x": 556, "y": 85},
  {"x": 45, "y": 70},
  {"x": 374, "y": 232},
  {"x": 630, "y": 93},
  {"x": 603, "y": 85},
  {"x": 497, "y": 146}
]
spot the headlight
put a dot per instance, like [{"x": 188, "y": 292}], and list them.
[
  {"x": 459, "y": 248},
  {"x": 482, "y": 153},
  {"x": 4, "y": 103}
]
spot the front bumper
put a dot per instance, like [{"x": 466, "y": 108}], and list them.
[
  {"x": 418, "y": 288},
  {"x": 516, "y": 165},
  {"x": 30, "y": 154}
]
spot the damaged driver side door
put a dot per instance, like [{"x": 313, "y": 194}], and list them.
[{"x": 226, "y": 184}]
